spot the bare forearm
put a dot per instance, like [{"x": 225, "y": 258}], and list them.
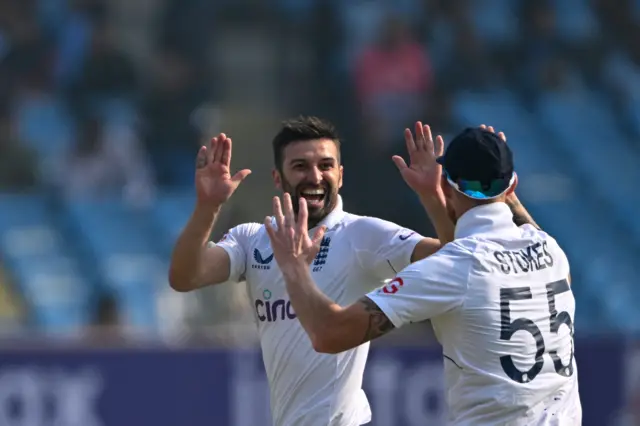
[
  {"x": 436, "y": 210},
  {"x": 314, "y": 309},
  {"x": 331, "y": 328},
  {"x": 187, "y": 257},
  {"x": 520, "y": 215}
]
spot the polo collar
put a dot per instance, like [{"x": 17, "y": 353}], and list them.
[
  {"x": 488, "y": 218},
  {"x": 333, "y": 218}
]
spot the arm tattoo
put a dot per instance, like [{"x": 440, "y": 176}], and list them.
[
  {"x": 520, "y": 215},
  {"x": 379, "y": 324}
]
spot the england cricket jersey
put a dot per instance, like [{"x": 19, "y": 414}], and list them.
[
  {"x": 501, "y": 305},
  {"x": 357, "y": 255}
]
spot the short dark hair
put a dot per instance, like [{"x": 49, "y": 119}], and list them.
[{"x": 300, "y": 129}]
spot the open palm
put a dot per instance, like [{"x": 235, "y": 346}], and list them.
[
  {"x": 289, "y": 237},
  {"x": 214, "y": 182},
  {"x": 423, "y": 172}
]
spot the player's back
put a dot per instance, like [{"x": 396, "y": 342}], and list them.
[{"x": 509, "y": 346}]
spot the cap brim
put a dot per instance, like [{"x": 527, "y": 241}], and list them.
[{"x": 477, "y": 195}]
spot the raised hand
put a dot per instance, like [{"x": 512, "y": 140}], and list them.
[
  {"x": 423, "y": 172},
  {"x": 214, "y": 183},
  {"x": 290, "y": 239},
  {"x": 492, "y": 130},
  {"x": 502, "y": 136},
  {"x": 521, "y": 216}
]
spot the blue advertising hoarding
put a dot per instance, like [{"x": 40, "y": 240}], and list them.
[{"x": 162, "y": 387}]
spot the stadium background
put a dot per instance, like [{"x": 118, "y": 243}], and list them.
[{"x": 104, "y": 104}]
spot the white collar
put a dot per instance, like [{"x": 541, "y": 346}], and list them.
[
  {"x": 483, "y": 219},
  {"x": 333, "y": 218}
]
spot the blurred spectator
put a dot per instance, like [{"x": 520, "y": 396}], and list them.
[
  {"x": 107, "y": 314},
  {"x": 188, "y": 26},
  {"x": 71, "y": 26},
  {"x": 622, "y": 78},
  {"x": 438, "y": 112},
  {"x": 107, "y": 327},
  {"x": 106, "y": 73},
  {"x": 18, "y": 164},
  {"x": 172, "y": 136},
  {"x": 616, "y": 18},
  {"x": 539, "y": 42},
  {"x": 107, "y": 159},
  {"x": 11, "y": 309},
  {"x": 41, "y": 118},
  {"x": 469, "y": 66},
  {"x": 393, "y": 78},
  {"x": 557, "y": 76}
]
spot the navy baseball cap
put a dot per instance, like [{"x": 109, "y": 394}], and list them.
[{"x": 478, "y": 164}]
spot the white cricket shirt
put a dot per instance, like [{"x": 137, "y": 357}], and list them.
[
  {"x": 357, "y": 255},
  {"x": 502, "y": 308}
]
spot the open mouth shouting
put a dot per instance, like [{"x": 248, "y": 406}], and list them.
[{"x": 315, "y": 197}]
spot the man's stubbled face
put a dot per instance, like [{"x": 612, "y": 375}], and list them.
[{"x": 311, "y": 170}]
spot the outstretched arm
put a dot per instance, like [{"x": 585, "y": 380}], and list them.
[
  {"x": 331, "y": 328},
  {"x": 193, "y": 263},
  {"x": 423, "y": 176},
  {"x": 409, "y": 297}
]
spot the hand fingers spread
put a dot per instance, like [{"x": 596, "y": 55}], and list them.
[
  {"x": 408, "y": 139},
  {"x": 225, "y": 152},
  {"x": 319, "y": 235},
  {"x": 213, "y": 145},
  {"x": 270, "y": 231},
  {"x": 420, "y": 137},
  {"x": 201, "y": 159},
  {"x": 428, "y": 139},
  {"x": 240, "y": 176},
  {"x": 217, "y": 155},
  {"x": 289, "y": 218},
  {"x": 303, "y": 215},
  {"x": 277, "y": 213},
  {"x": 493, "y": 130},
  {"x": 399, "y": 162},
  {"x": 439, "y": 146}
]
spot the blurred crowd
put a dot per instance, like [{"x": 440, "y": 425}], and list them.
[
  {"x": 82, "y": 112},
  {"x": 111, "y": 97}
]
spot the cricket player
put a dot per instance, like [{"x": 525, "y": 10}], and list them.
[
  {"x": 355, "y": 255},
  {"x": 499, "y": 297}
]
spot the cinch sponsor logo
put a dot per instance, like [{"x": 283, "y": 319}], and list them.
[
  {"x": 261, "y": 262},
  {"x": 273, "y": 310}
]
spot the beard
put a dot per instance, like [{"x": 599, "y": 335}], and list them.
[{"x": 318, "y": 206}]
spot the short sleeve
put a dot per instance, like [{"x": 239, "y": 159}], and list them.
[
  {"x": 236, "y": 243},
  {"x": 383, "y": 247},
  {"x": 427, "y": 288}
]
